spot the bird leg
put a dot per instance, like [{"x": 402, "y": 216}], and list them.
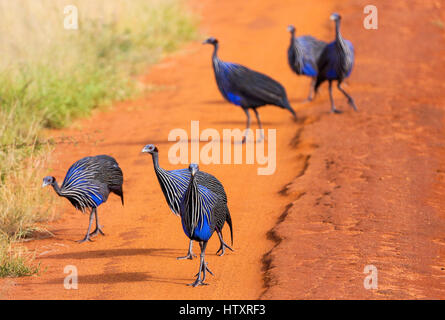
[
  {"x": 333, "y": 109},
  {"x": 223, "y": 245},
  {"x": 190, "y": 254},
  {"x": 311, "y": 91},
  {"x": 260, "y": 125},
  {"x": 98, "y": 227},
  {"x": 246, "y": 111},
  {"x": 202, "y": 267},
  {"x": 350, "y": 100},
  {"x": 87, "y": 236}
]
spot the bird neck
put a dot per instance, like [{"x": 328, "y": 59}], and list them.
[
  {"x": 56, "y": 188},
  {"x": 215, "y": 58},
  {"x": 338, "y": 37},
  {"x": 155, "y": 157},
  {"x": 298, "y": 53},
  {"x": 191, "y": 196}
]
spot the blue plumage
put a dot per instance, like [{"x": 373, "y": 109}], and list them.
[
  {"x": 334, "y": 60},
  {"x": 87, "y": 184},
  {"x": 203, "y": 210},
  {"x": 202, "y": 231},
  {"x": 336, "y": 63},
  {"x": 303, "y": 54},
  {"x": 247, "y": 88},
  {"x": 174, "y": 184}
]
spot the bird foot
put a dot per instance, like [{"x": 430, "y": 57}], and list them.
[
  {"x": 336, "y": 111},
  {"x": 198, "y": 282},
  {"x": 189, "y": 256},
  {"x": 87, "y": 238},
  {"x": 222, "y": 248},
  {"x": 352, "y": 104},
  {"x": 96, "y": 232}
]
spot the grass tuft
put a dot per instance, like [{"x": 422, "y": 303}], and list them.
[{"x": 50, "y": 76}]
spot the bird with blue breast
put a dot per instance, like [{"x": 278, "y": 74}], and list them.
[
  {"x": 247, "y": 88},
  {"x": 174, "y": 184},
  {"x": 336, "y": 63},
  {"x": 202, "y": 210},
  {"x": 88, "y": 184},
  {"x": 303, "y": 55}
]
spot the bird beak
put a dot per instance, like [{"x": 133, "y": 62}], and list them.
[
  {"x": 289, "y": 28},
  {"x": 144, "y": 150},
  {"x": 205, "y": 42},
  {"x": 193, "y": 170},
  {"x": 333, "y": 17},
  {"x": 44, "y": 184}
]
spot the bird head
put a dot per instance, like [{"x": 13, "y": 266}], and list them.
[
  {"x": 48, "y": 181},
  {"x": 193, "y": 168},
  {"x": 291, "y": 28},
  {"x": 211, "y": 40},
  {"x": 150, "y": 148},
  {"x": 335, "y": 17}
]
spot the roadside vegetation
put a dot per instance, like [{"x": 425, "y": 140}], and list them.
[{"x": 50, "y": 76}]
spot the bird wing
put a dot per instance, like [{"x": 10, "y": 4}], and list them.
[
  {"x": 79, "y": 184},
  {"x": 312, "y": 49},
  {"x": 210, "y": 182},
  {"x": 250, "y": 88},
  {"x": 197, "y": 209},
  {"x": 109, "y": 173}
]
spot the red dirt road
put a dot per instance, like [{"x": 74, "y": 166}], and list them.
[{"x": 367, "y": 186}]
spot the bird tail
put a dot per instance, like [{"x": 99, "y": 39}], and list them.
[
  {"x": 120, "y": 193},
  {"x": 287, "y": 106},
  {"x": 229, "y": 222}
]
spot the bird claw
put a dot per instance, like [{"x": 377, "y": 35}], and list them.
[
  {"x": 189, "y": 256},
  {"x": 84, "y": 240},
  {"x": 96, "y": 232},
  {"x": 198, "y": 282},
  {"x": 336, "y": 111},
  {"x": 352, "y": 104},
  {"x": 222, "y": 248}
]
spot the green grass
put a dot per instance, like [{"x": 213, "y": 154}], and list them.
[{"x": 50, "y": 76}]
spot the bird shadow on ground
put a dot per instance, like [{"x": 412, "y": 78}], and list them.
[
  {"x": 100, "y": 254},
  {"x": 242, "y": 124},
  {"x": 119, "y": 277}
]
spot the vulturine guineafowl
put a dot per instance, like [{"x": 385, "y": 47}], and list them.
[
  {"x": 174, "y": 183},
  {"x": 87, "y": 185},
  {"x": 247, "y": 88},
  {"x": 303, "y": 54},
  {"x": 336, "y": 63},
  {"x": 203, "y": 210}
]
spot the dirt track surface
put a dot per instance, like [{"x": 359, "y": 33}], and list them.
[{"x": 367, "y": 186}]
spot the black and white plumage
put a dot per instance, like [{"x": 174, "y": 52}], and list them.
[
  {"x": 174, "y": 184},
  {"x": 303, "y": 55},
  {"x": 88, "y": 184},
  {"x": 247, "y": 88},
  {"x": 336, "y": 63},
  {"x": 203, "y": 210}
]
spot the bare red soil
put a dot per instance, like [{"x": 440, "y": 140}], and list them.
[{"x": 350, "y": 190}]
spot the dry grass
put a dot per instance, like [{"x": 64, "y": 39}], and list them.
[{"x": 50, "y": 75}]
